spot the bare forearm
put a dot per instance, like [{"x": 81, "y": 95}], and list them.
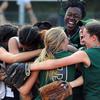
[
  {"x": 45, "y": 65},
  {"x": 32, "y": 16},
  {"x": 56, "y": 63},
  {"x": 11, "y": 58},
  {"x": 26, "y": 88},
  {"x": 26, "y": 55},
  {"x": 31, "y": 13},
  {"x": 77, "y": 82}
]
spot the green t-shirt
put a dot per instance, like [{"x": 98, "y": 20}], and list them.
[
  {"x": 91, "y": 75},
  {"x": 74, "y": 37},
  {"x": 64, "y": 73}
]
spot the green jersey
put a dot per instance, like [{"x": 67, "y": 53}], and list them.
[
  {"x": 91, "y": 75},
  {"x": 64, "y": 73},
  {"x": 74, "y": 37}
]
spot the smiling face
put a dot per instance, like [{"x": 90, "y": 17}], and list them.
[{"x": 72, "y": 17}]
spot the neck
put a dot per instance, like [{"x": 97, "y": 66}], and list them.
[
  {"x": 97, "y": 44},
  {"x": 71, "y": 32}
]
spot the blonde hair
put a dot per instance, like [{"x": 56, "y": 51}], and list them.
[{"x": 52, "y": 41}]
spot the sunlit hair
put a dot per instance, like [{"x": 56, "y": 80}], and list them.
[{"x": 53, "y": 39}]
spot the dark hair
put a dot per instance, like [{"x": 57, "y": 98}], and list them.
[
  {"x": 7, "y": 31},
  {"x": 93, "y": 28},
  {"x": 30, "y": 37},
  {"x": 43, "y": 25},
  {"x": 76, "y": 3}
]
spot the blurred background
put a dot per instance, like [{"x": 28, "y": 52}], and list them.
[{"x": 45, "y": 10}]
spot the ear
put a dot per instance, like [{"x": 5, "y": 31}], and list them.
[{"x": 94, "y": 37}]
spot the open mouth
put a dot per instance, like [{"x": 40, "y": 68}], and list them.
[{"x": 70, "y": 23}]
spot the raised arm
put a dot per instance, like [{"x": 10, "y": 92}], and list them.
[
  {"x": 3, "y": 7},
  {"x": 31, "y": 13},
  {"x": 11, "y": 58}
]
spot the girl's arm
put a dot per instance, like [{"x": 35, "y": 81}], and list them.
[
  {"x": 31, "y": 13},
  {"x": 26, "y": 88},
  {"x": 11, "y": 58},
  {"x": 77, "y": 57},
  {"x": 3, "y": 7},
  {"x": 78, "y": 82}
]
